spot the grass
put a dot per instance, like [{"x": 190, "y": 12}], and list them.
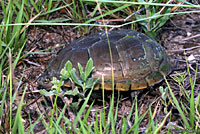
[
  {"x": 16, "y": 19},
  {"x": 188, "y": 120}
]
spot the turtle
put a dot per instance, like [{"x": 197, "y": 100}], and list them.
[{"x": 138, "y": 61}]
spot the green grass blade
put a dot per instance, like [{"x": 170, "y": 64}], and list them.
[
  {"x": 8, "y": 20},
  {"x": 81, "y": 110},
  {"x": 34, "y": 5},
  {"x": 54, "y": 10},
  {"x": 17, "y": 29},
  {"x": 82, "y": 129},
  {"x": 116, "y": 107},
  {"x": 143, "y": 3},
  {"x": 68, "y": 124},
  {"x": 18, "y": 56},
  {"x": 18, "y": 119},
  {"x": 108, "y": 13},
  {"x": 3, "y": 100},
  {"x": 137, "y": 123},
  {"x": 96, "y": 125},
  {"x": 124, "y": 125},
  {"x": 83, "y": 10},
  {"x": 3, "y": 62},
  {"x": 3, "y": 6},
  {"x": 192, "y": 84},
  {"x": 162, "y": 124},
  {"x": 103, "y": 97},
  {"x": 30, "y": 130},
  {"x": 101, "y": 122},
  {"x": 61, "y": 115},
  {"x": 136, "y": 120},
  {"x": 151, "y": 123},
  {"x": 88, "y": 113},
  {"x": 57, "y": 129},
  {"x": 198, "y": 103},
  {"x": 49, "y": 7},
  {"x": 11, "y": 87},
  {"x": 177, "y": 105}
]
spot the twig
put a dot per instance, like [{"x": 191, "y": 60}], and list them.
[
  {"x": 134, "y": 13},
  {"x": 182, "y": 50}
]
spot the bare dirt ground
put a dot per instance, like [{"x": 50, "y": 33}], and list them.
[{"x": 179, "y": 35}]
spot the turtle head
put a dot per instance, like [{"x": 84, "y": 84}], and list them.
[{"x": 44, "y": 81}]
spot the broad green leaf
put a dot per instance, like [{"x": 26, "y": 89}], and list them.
[
  {"x": 46, "y": 93},
  {"x": 89, "y": 67},
  {"x": 64, "y": 74},
  {"x": 68, "y": 66},
  {"x": 55, "y": 81},
  {"x": 74, "y": 105},
  {"x": 90, "y": 82},
  {"x": 80, "y": 68},
  {"x": 75, "y": 78},
  {"x": 73, "y": 92},
  {"x": 82, "y": 74}
]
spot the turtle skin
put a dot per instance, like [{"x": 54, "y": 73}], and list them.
[{"x": 138, "y": 60}]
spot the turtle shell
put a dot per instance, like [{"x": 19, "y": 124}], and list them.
[{"x": 138, "y": 61}]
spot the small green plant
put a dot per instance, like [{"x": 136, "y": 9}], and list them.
[
  {"x": 84, "y": 81},
  {"x": 164, "y": 93},
  {"x": 189, "y": 114},
  {"x": 152, "y": 26},
  {"x": 79, "y": 85},
  {"x": 180, "y": 78}
]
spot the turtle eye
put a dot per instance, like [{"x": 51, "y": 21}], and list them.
[{"x": 46, "y": 80}]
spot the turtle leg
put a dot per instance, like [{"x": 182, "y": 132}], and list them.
[
  {"x": 96, "y": 94},
  {"x": 135, "y": 95}
]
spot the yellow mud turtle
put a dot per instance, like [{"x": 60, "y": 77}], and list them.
[{"x": 138, "y": 61}]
